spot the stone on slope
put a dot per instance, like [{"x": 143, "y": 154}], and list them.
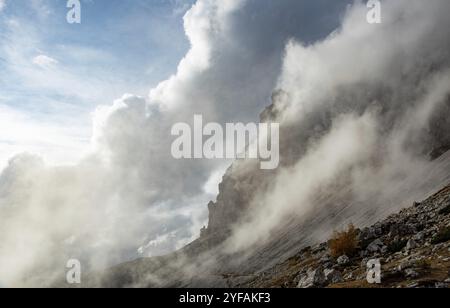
[{"x": 313, "y": 278}]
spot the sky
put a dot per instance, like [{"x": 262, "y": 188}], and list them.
[{"x": 54, "y": 74}]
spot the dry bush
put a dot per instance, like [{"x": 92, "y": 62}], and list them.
[{"x": 344, "y": 243}]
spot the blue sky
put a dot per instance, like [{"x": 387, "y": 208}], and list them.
[{"x": 54, "y": 74}]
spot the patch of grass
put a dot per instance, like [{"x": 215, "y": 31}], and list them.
[
  {"x": 397, "y": 246},
  {"x": 442, "y": 237},
  {"x": 445, "y": 211},
  {"x": 344, "y": 243}
]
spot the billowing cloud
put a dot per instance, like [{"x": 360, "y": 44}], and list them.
[{"x": 130, "y": 197}]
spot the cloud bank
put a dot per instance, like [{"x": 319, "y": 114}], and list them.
[
  {"x": 129, "y": 197},
  {"x": 360, "y": 112}
]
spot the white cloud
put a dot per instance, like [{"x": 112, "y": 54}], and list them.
[
  {"x": 20, "y": 132},
  {"x": 2, "y": 4},
  {"x": 44, "y": 61}
]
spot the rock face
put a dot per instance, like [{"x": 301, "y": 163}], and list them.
[{"x": 241, "y": 184}]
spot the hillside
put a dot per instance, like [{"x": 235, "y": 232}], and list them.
[
  {"x": 407, "y": 242},
  {"x": 412, "y": 245}
]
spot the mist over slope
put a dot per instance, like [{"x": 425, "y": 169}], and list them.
[
  {"x": 362, "y": 111},
  {"x": 364, "y": 133}
]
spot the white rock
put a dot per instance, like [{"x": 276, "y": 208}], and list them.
[
  {"x": 343, "y": 260},
  {"x": 411, "y": 245},
  {"x": 313, "y": 278}
]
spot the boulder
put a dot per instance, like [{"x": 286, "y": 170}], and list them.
[
  {"x": 312, "y": 279},
  {"x": 325, "y": 259},
  {"x": 343, "y": 260},
  {"x": 333, "y": 276},
  {"x": 375, "y": 246},
  {"x": 411, "y": 245},
  {"x": 419, "y": 236}
]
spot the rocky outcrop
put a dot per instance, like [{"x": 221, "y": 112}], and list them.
[
  {"x": 241, "y": 184},
  {"x": 413, "y": 247}
]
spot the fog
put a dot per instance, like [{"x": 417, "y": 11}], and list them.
[{"x": 364, "y": 100}]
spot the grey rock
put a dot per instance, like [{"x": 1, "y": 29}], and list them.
[
  {"x": 313, "y": 278},
  {"x": 375, "y": 246},
  {"x": 333, "y": 276},
  {"x": 325, "y": 259},
  {"x": 349, "y": 276},
  {"x": 411, "y": 245},
  {"x": 438, "y": 247},
  {"x": 419, "y": 236},
  {"x": 343, "y": 260},
  {"x": 401, "y": 229},
  {"x": 368, "y": 233}
]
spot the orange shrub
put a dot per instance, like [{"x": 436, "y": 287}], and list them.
[{"x": 344, "y": 243}]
